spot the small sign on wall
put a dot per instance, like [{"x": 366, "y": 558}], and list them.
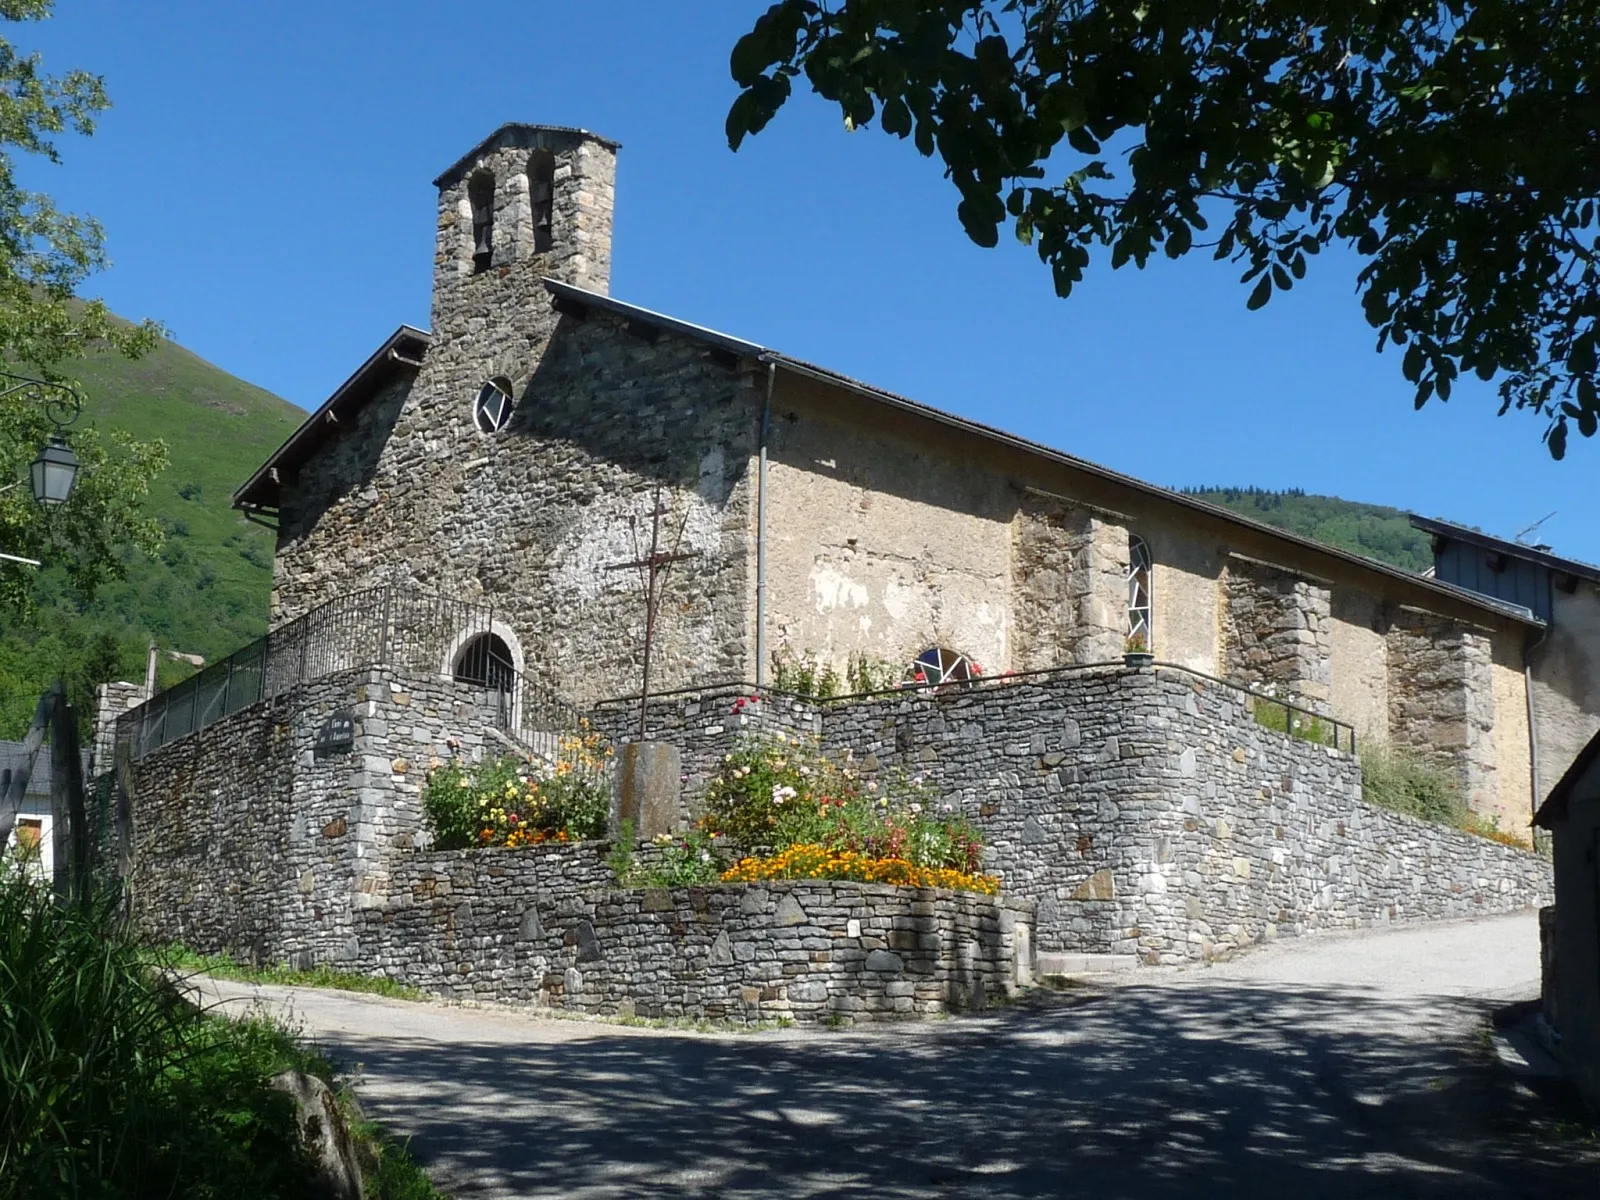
[{"x": 337, "y": 734}]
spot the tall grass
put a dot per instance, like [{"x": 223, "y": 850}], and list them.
[
  {"x": 1398, "y": 780},
  {"x": 113, "y": 1085}
]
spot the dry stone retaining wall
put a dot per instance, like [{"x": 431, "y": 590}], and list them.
[
  {"x": 1147, "y": 813},
  {"x": 1141, "y": 811},
  {"x": 543, "y": 925},
  {"x": 248, "y": 839}
]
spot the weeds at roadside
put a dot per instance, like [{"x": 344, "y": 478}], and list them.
[{"x": 221, "y": 966}]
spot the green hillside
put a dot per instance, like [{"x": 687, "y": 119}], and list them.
[
  {"x": 207, "y": 592},
  {"x": 1371, "y": 529}
]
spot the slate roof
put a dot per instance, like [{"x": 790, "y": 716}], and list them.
[{"x": 11, "y": 757}]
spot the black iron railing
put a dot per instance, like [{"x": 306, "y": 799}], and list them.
[
  {"x": 1282, "y": 716},
  {"x": 385, "y": 626}
]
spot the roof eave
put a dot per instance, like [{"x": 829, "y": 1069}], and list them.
[
  {"x": 455, "y": 170},
  {"x": 249, "y": 494},
  {"x": 1485, "y": 541}
]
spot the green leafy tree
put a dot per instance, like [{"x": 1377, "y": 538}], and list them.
[
  {"x": 45, "y": 255},
  {"x": 1453, "y": 144}
]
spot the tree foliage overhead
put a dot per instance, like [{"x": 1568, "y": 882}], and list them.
[
  {"x": 45, "y": 255},
  {"x": 1453, "y": 144}
]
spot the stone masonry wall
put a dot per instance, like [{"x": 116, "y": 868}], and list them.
[
  {"x": 1441, "y": 698},
  {"x": 1277, "y": 632},
  {"x": 250, "y": 841},
  {"x": 1147, "y": 813},
  {"x": 542, "y": 925},
  {"x": 1070, "y": 584},
  {"x": 535, "y": 516},
  {"x": 1143, "y": 811}
]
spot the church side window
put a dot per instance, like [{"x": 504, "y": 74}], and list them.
[
  {"x": 937, "y": 665},
  {"x": 480, "y": 194},
  {"x": 542, "y": 197},
  {"x": 1139, "y": 591},
  {"x": 492, "y": 409}
]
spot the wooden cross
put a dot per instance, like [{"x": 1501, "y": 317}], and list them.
[{"x": 653, "y": 568}]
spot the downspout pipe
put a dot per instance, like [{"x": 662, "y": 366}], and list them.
[
  {"x": 761, "y": 527},
  {"x": 1533, "y": 723}
]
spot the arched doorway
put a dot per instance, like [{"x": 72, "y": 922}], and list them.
[{"x": 486, "y": 661}]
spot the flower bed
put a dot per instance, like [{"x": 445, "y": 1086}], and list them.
[
  {"x": 519, "y": 800},
  {"x": 811, "y": 861},
  {"x": 808, "y": 817}
]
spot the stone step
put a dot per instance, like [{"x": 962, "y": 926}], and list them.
[{"x": 1054, "y": 963}]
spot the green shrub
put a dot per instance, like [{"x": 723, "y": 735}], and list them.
[
  {"x": 810, "y": 676},
  {"x": 1279, "y": 717},
  {"x": 521, "y": 801},
  {"x": 114, "y": 1085},
  {"x": 685, "y": 860},
  {"x": 767, "y": 795},
  {"x": 1398, "y": 780}
]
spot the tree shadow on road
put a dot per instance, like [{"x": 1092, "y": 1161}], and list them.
[{"x": 1142, "y": 1092}]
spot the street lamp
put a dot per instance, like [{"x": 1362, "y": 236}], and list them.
[{"x": 56, "y": 469}]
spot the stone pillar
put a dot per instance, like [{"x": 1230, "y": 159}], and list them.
[
  {"x": 1277, "y": 627},
  {"x": 111, "y": 701},
  {"x": 1441, "y": 698},
  {"x": 649, "y": 785},
  {"x": 1070, "y": 579}
]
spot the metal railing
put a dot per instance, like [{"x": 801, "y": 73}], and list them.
[
  {"x": 1298, "y": 722},
  {"x": 385, "y": 626}
]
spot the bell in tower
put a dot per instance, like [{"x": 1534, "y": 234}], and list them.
[
  {"x": 480, "y": 192},
  {"x": 542, "y": 195}
]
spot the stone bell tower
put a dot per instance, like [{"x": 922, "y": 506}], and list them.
[{"x": 526, "y": 202}]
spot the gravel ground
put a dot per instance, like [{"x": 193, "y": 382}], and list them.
[{"x": 1322, "y": 1067}]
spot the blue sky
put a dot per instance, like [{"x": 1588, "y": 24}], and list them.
[{"x": 264, "y": 182}]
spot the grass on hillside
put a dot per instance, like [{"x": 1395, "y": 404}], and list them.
[
  {"x": 207, "y": 591},
  {"x": 1374, "y": 530},
  {"x": 181, "y": 958},
  {"x": 116, "y": 1086}
]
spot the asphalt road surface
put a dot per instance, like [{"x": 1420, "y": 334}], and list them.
[{"x": 1348, "y": 1066}]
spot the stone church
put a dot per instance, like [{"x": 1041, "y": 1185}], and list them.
[{"x": 513, "y": 455}]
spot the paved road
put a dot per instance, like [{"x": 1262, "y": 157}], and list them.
[{"x": 1324, "y": 1067}]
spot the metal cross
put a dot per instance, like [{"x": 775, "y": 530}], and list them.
[{"x": 653, "y": 568}]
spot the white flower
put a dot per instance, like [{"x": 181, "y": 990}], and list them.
[
  {"x": 915, "y": 807},
  {"x": 782, "y": 792}
]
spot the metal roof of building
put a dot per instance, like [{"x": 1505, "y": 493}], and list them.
[{"x": 1534, "y": 554}]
